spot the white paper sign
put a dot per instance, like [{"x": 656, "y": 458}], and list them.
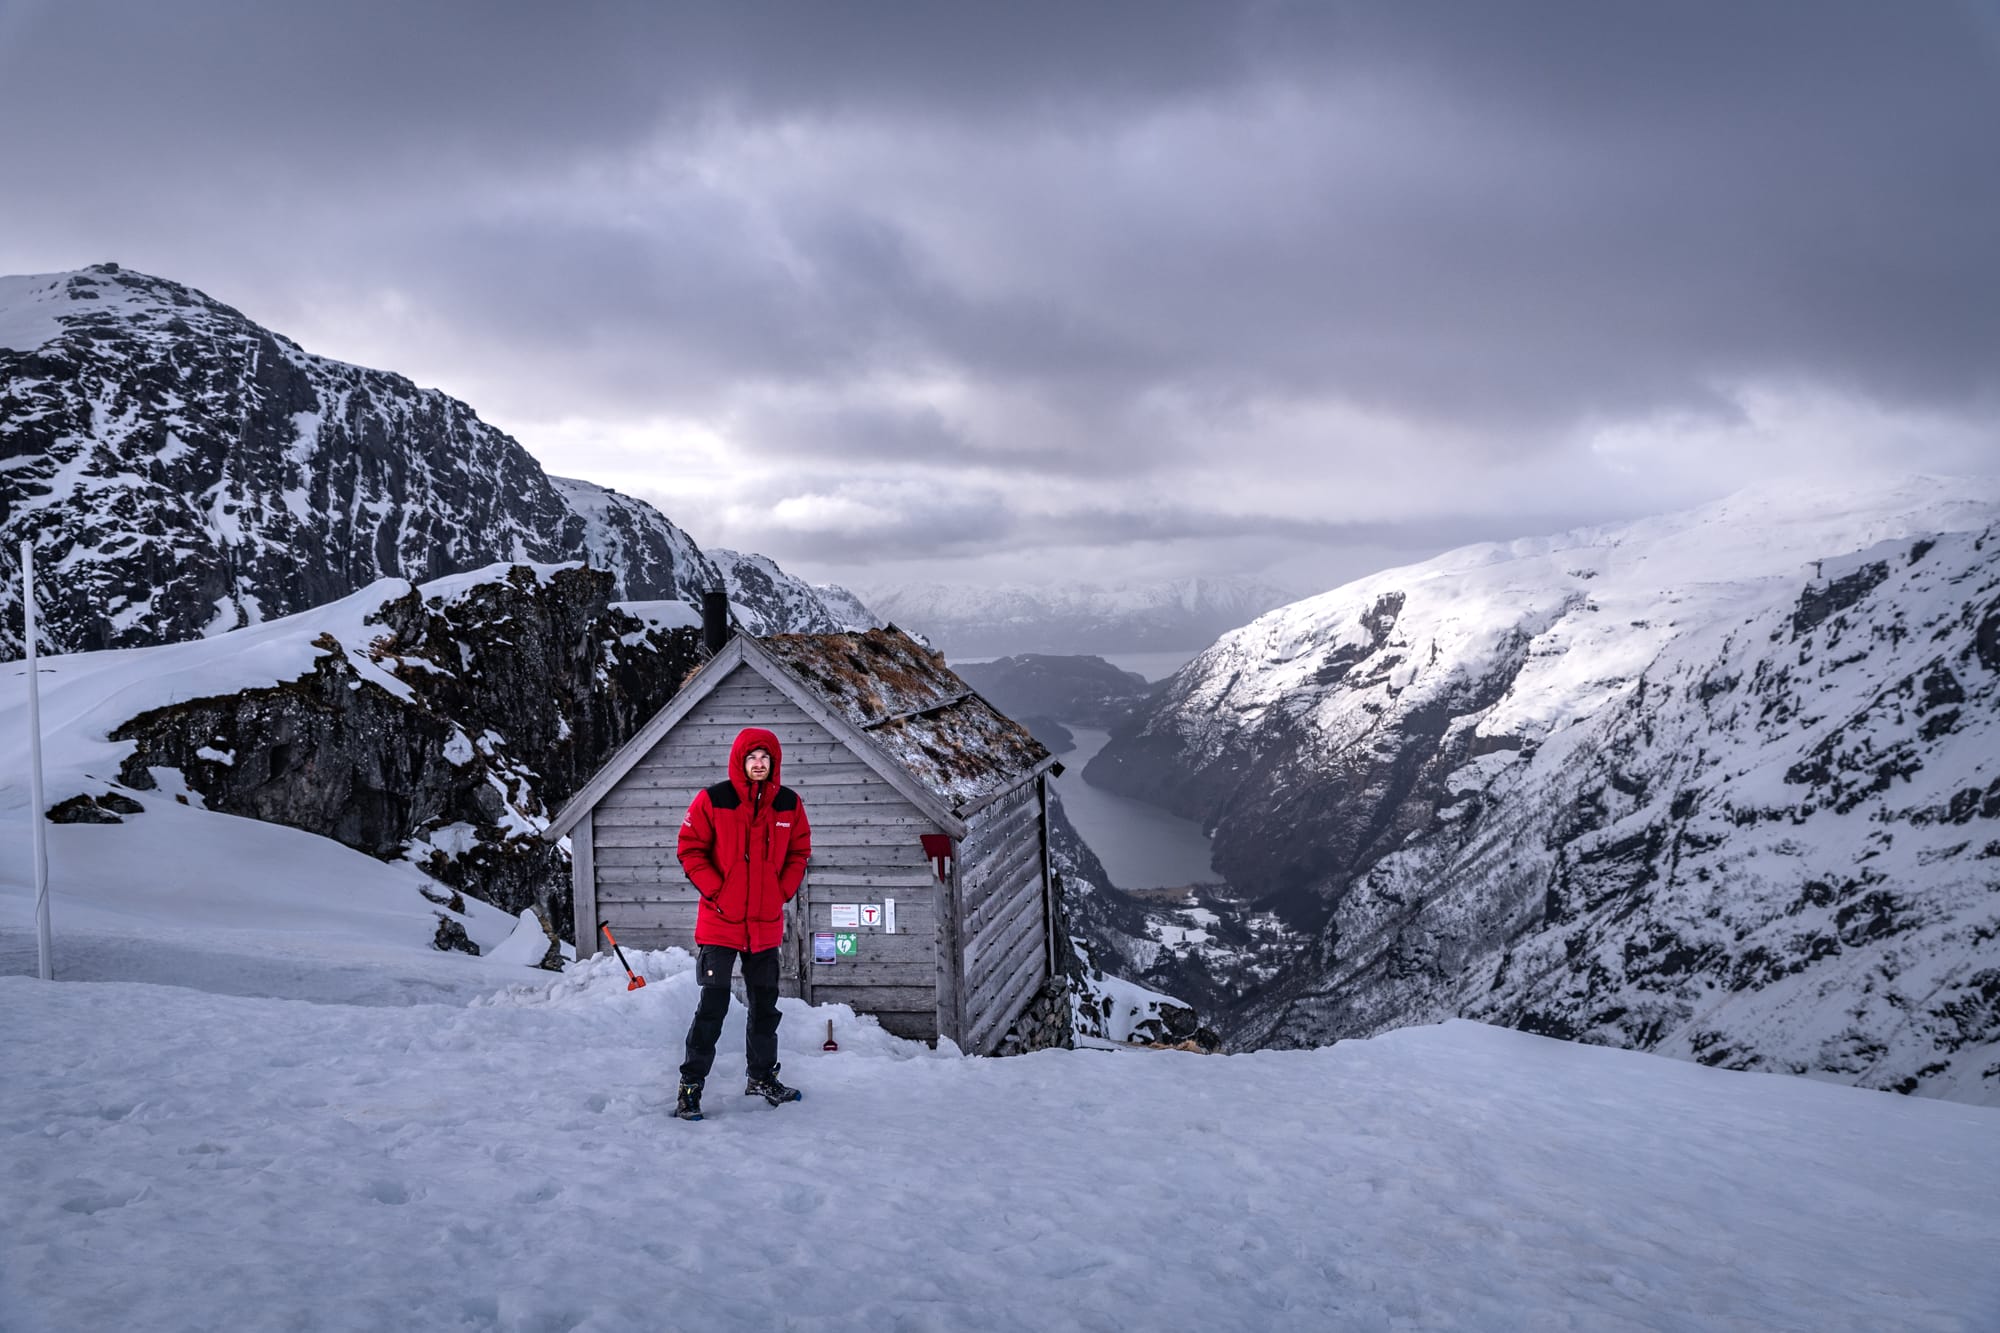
[
  {"x": 888, "y": 916},
  {"x": 871, "y": 914},
  {"x": 846, "y": 916}
]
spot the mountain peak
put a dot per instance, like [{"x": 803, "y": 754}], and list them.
[
  {"x": 37, "y": 309},
  {"x": 198, "y": 473}
]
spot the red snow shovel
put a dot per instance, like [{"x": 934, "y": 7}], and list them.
[
  {"x": 831, "y": 1044},
  {"x": 637, "y": 980}
]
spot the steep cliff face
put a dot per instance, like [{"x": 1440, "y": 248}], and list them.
[
  {"x": 1712, "y": 785},
  {"x": 184, "y": 472},
  {"x": 755, "y": 580},
  {"x": 441, "y": 725},
  {"x": 847, "y": 608},
  {"x": 1106, "y": 938}
]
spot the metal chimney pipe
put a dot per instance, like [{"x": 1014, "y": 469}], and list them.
[{"x": 714, "y": 620}]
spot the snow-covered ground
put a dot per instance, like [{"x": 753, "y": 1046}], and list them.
[
  {"x": 257, "y": 1098},
  {"x": 176, "y": 1158}
]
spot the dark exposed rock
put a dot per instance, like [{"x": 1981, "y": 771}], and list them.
[
  {"x": 452, "y": 901},
  {"x": 1986, "y": 640},
  {"x": 82, "y": 810},
  {"x": 451, "y": 935},
  {"x": 520, "y": 689},
  {"x": 1817, "y": 602}
]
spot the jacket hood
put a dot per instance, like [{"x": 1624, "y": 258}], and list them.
[{"x": 748, "y": 739}]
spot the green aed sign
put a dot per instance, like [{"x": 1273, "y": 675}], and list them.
[{"x": 844, "y": 943}]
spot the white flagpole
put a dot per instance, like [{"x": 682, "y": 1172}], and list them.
[{"x": 36, "y": 817}]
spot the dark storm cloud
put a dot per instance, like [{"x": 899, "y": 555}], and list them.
[{"x": 1047, "y": 246}]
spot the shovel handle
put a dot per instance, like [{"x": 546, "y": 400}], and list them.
[{"x": 637, "y": 980}]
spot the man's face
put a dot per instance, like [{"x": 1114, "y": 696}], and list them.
[{"x": 758, "y": 765}]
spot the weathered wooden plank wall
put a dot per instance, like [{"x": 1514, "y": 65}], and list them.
[
  {"x": 1004, "y": 915},
  {"x": 583, "y": 890}
]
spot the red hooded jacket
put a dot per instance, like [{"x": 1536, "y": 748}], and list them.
[{"x": 744, "y": 845}]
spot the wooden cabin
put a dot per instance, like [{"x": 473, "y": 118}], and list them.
[{"x": 928, "y": 899}]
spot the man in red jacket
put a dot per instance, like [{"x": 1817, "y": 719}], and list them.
[{"x": 744, "y": 845}]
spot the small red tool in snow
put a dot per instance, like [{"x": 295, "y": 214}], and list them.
[
  {"x": 637, "y": 980},
  {"x": 831, "y": 1044}
]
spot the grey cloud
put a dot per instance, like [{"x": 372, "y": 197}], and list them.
[{"x": 1488, "y": 225}]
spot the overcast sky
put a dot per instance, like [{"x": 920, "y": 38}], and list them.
[{"x": 1106, "y": 291}]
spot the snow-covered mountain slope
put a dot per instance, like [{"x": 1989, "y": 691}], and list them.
[
  {"x": 846, "y": 608},
  {"x": 650, "y": 558},
  {"x": 1724, "y": 784},
  {"x": 969, "y": 621},
  {"x": 184, "y": 471},
  {"x": 181, "y": 1159},
  {"x": 438, "y": 725},
  {"x": 786, "y": 600}
]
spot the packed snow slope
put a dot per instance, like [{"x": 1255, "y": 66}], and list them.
[
  {"x": 179, "y": 1159},
  {"x": 183, "y": 896},
  {"x": 1723, "y": 784},
  {"x": 184, "y": 471}
]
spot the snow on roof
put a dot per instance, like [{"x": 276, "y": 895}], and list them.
[{"x": 914, "y": 708}]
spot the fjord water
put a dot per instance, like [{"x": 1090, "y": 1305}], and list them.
[{"x": 1142, "y": 846}]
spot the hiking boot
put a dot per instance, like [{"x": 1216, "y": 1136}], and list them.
[
  {"x": 772, "y": 1091},
  {"x": 688, "y": 1105}
]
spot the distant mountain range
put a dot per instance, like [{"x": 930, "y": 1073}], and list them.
[
  {"x": 184, "y": 472},
  {"x": 1722, "y": 784},
  {"x": 966, "y": 621}
]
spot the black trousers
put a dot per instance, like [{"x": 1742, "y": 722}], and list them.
[{"x": 760, "y": 1034}]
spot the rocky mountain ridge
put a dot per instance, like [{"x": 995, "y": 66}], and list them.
[
  {"x": 785, "y": 599},
  {"x": 1713, "y": 784},
  {"x": 185, "y": 472}
]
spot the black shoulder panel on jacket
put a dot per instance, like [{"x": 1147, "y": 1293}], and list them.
[
  {"x": 723, "y": 796},
  {"x": 786, "y": 799}
]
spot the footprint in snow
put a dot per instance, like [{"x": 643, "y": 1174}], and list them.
[{"x": 96, "y": 1198}]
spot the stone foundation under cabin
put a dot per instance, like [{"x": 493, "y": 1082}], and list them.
[{"x": 1046, "y": 1024}]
